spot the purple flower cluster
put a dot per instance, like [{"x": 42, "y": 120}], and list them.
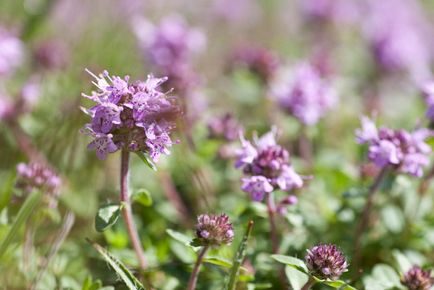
[
  {"x": 268, "y": 166},
  {"x": 405, "y": 151},
  {"x": 130, "y": 116},
  {"x": 213, "y": 230},
  {"x": 260, "y": 61},
  {"x": 11, "y": 52},
  {"x": 37, "y": 176},
  {"x": 326, "y": 262},
  {"x": 304, "y": 94},
  {"x": 417, "y": 279},
  {"x": 398, "y": 39},
  {"x": 330, "y": 10},
  {"x": 224, "y": 127}
]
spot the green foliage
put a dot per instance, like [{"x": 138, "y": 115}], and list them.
[{"x": 107, "y": 216}]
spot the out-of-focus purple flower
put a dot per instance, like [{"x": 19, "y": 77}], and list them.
[
  {"x": 257, "y": 186},
  {"x": 225, "y": 127},
  {"x": 417, "y": 279},
  {"x": 213, "y": 230},
  {"x": 6, "y": 107},
  {"x": 304, "y": 94},
  {"x": 170, "y": 47},
  {"x": 267, "y": 166},
  {"x": 236, "y": 11},
  {"x": 259, "y": 61},
  {"x": 36, "y": 176},
  {"x": 330, "y": 10},
  {"x": 134, "y": 117},
  {"x": 398, "y": 39},
  {"x": 326, "y": 262},
  {"x": 171, "y": 43},
  {"x": 407, "y": 152},
  {"x": 428, "y": 93},
  {"x": 50, "y": 55},
  {"x": 11, "y": 52}
]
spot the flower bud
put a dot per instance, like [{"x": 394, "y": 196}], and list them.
[
  {"x": 326, "y": 262},
  {"x": 213, "y": 230}
]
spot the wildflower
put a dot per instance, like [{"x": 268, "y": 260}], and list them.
[
  {"x": 225, "y": 127},
  {"x": 268, "y": 166},
  {"x": 397, "y": 40},
  {"x": 407, "y": 152},
  {"x": 50, "y": 55},
  {"x": 11, "y": 52},
  {"x": 36, "y": 176},
  {"x": 261, "y": 62},
  {"x": 417, "y": 279},
  {"x": 428, "y": 93},
  {"x": 134, "y": 117},
  {"x": 213, "y": 230},
  {"x": 326, "y": 262},
  {"x": 304, "y": 94}
]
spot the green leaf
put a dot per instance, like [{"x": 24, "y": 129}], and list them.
[
  {"x": 403, "y": 262},
  {"x": 107, "y": 216},
  {"x": 123, "y": 273},
  {"x": 7, "y": 190},
  {"x": 218, "y": 261},
  {"x": 183, "y": 239},
  {"x": 143, "y": 197},
  {"x": 341, "y": 285},
  {"x": 382, "y": 277},
  {"x": 393, "y": 218},
  {"x": 145, "y": 158},
  {"x": 296, "y": 278},
  {"x": 292, "y": 262},
  {"x": 25, "y": 211}
]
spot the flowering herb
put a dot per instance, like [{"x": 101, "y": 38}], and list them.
[
  {"x": 213, "y": 230},
  {"x": 135, "y": 117},
  {"x": 326, "y": 262},
  {"x": 417, "y": 279}
]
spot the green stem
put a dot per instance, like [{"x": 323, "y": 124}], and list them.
[
  {"x": 239, "y": 258},
  {"x": 127, "y": 212},
  {"x": 309, "y": 284}
]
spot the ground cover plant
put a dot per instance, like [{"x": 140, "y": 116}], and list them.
[{"x": 216, "y": 144}]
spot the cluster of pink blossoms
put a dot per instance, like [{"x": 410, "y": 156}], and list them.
[
  {"x": 268, "y": 167},
  {"x": 406, "y": 152},
  {"x": 136, "y": 117}
]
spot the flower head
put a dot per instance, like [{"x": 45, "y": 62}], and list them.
[
  {"x": 326, "y": 262},
  {"x": 11, "y": 52},
  {"x": 406, "y": 151},
  {"x": 417, "y": 279},
  {"x": 225, "y": 127},
  {"x": 267, "y": 166},
  {"x": 261, "y": 62},
  {"x": 304, "y": 94},
  {"x": 213, "y": 230},
  {"x": 134, "y": 117}
]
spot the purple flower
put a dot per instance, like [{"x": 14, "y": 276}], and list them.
[
  {"x": 36, "y": 176},
  {"x": 130, "y": 116},
  {"x": 398, "y": 39},
  {"x": 213, "y": 230},
  {"x": 406, "y": 152},
  {"x": 326, "y": 262},
  {"x": 50, "y": 55},
  {"x": 11, "y": 52},
  {"x": 417, "y": 279},
  {"x": 267, "y": 166},
  {"x": 428, "y": 93},
  {"x": 225, "y": 127},
  {"x": 304, "y": 94},
  {"x": 257, "y": 186},
  {"x": 259, "y": 61}
]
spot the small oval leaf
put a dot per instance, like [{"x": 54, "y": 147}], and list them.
[
  {"x": 142, "y": 196},
  {"x": 107, "y": 216},
  {"x": 292, "y": 262}
]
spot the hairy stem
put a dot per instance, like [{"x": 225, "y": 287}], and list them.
[
  {"x": 308, "y": 284},
  {"x": 127, "y": 212},
  {"x": 363, "y": 222},
  {"x": 273, "y": 230},
  {"x": 196, "y": 269}
]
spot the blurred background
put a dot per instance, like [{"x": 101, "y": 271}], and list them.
[{"x": 226, "y": 60}]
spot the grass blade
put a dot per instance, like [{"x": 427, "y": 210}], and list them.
[
  {"x": 239, "y": 258},
  {"x": 121, "y": 270},
  {"x": 24, "y": 212}
]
